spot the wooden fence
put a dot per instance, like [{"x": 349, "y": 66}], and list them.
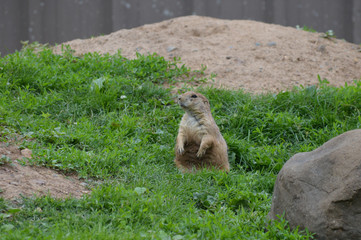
[{"x": 57, "y": 21}]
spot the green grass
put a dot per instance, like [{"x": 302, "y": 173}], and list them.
[
  {"x": 305, "y": 28},
  {"x": 109, "y": 118}
]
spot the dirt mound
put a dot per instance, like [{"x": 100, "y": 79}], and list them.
[
  {"x": 254, "y": 56},
  {"x": 17, "y": 179}
]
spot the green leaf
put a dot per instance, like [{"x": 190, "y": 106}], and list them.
[
  {"x": 140, "y": 190},
  {"x": 14, "y": 210},
  {"x": 7, "y": 227}
]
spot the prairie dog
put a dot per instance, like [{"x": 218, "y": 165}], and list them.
[{"x": 199, "y": 142}]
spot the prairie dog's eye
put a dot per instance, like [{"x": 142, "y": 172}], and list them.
[{"x": 194, "y": 96}]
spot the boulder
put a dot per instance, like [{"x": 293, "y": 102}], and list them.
[{"x": 321, "y": 190}]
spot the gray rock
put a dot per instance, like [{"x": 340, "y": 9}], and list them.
[
  {"x": 271, "y": 44},
  {"x": 171, "y": 48},
  {"x": 321, "y": 48},
  {"x": 26, "y": 153},
  {"x": 40, "y": 182},
  {"x": 321, "y": 190}
]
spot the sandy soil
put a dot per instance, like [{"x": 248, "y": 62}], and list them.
[
  {"x": 254, "y": 56},
  {"x": 249, "y": 55},
  {"x": 18, "y": 179}
]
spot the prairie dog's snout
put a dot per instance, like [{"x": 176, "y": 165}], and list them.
[{"x": 179, "y": 100}]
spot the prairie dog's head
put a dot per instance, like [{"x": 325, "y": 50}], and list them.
[{"x": 193, "y": 102}]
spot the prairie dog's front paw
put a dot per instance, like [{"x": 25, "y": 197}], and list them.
[
  {"x": 180, "y": 150},
  {"x": 201, "y": 153}
]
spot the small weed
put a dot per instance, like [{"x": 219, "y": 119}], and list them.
[
  {"x": 305, "y": 28},
  {"x": 329, "y": 34},
  {"x": 4, "y": 160}
]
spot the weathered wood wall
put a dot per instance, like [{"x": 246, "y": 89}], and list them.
[{"x": 57, "y": 21}]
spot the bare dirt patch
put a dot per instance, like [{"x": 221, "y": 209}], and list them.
[
  {"x": 249, "y": 55},
  {"x": 18, "y": 179}
]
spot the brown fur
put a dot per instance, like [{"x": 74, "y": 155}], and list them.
[{"x": 199, "y": 142}]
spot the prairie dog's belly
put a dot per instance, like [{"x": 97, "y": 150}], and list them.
[{"x": 193, "y": 129}]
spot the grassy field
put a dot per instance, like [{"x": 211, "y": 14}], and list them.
[{"x": 109, "y": 119}]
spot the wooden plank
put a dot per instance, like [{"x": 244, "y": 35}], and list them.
[
  {"x": 13, "y": 25},
  {"x": 129, "y": 14},
  {"x": 279, "y": 12},
  {"x": 356, "y": 17},
  {"x": 125, "y": 14},
  {"x": 334, "y": 18},
  {"x": 82, "y": 19}
]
